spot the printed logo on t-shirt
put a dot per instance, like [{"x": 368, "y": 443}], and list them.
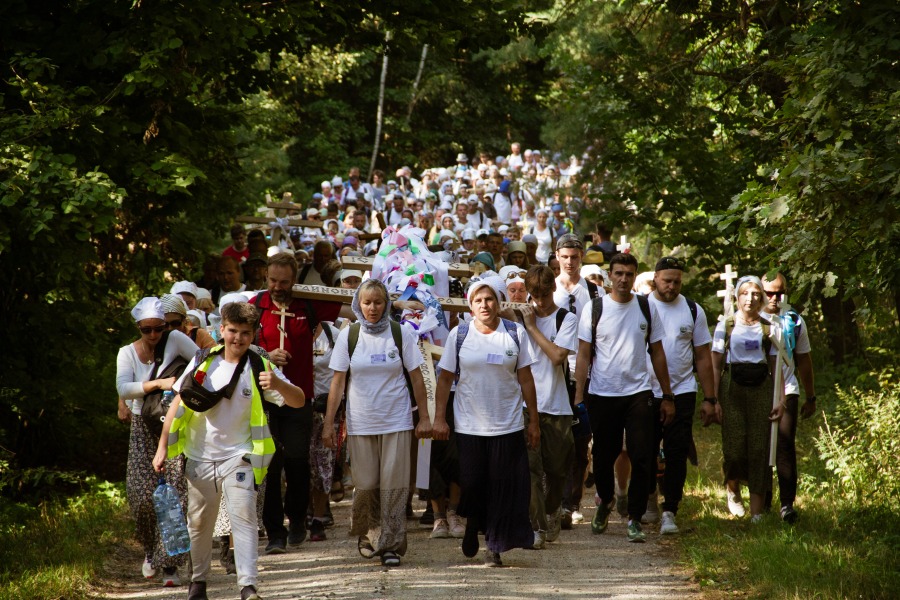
[
  {"x": 510, "y": 353},
  {"x": 246, "y": 392},
  {"x": 643, "y": 327},
  {"x": 392, "y": 354},
  {"x": 241, "y": 476},
  {"x": 684, "y": 329}
]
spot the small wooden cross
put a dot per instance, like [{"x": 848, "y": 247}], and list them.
[
  {"x": 282, "y": 312},
  {"x": 727, "y": 294},
  {"x": 623, "y": 245}
]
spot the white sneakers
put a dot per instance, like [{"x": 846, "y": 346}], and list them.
[
  {"x": 577, "y": 517},
  {"x": 735, "y": 503},
  {"x": 455, "y": 525},
  {"x": 147, "y": 569},
  {"x": 652, "y": 514},
  {"x": 539, "y": 538},
  {"x": 441, "y": 529},
  {"x": 668, "y": 526}
]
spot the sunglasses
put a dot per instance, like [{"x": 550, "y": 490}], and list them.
[
  {"x": 148, "y": 330},
  {"x": 569, "y": 241},
  {"x": 174, "y": 324},
  {"x": 778, "y": 295},
  {"x": 572, "y": 308},
  {"x": 670, "y": 262},
  {"x": 515, "y": 275}
]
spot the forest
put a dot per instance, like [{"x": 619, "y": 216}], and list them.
[{"x": 763, "y": 134}]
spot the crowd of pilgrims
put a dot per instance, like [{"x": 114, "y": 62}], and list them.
[{"x": 284, "y": 406}]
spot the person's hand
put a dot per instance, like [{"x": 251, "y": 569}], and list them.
[
  {"x": 165, "y": 384},
  {"x": 124, "y": 412},
  {"x": 267, "y": 379},
  {"x": 328, "y": 435},
  {"x": 279, "y": 356},
  {"x": 777, "y": 412},
  {"x": 666, "y": 412},
  {"x": 708, "y": 413},
  {"x": 408, "y": 305},
  {"x": 508, "y": 314},
  {"x": 809, "y": 407},
  {"x": 528, "y": 316},
  {"x": 533, "y": 435},
  {"x": 159, "y": 460},
  {"x": 423, "y": 429},
  {"x": 440, "y": 430}
]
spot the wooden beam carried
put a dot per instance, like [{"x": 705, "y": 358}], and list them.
[
  {"x": 345, "y": 296},
  {"x": 365, "y": 263},
  {"x": 292, "y": 221}
]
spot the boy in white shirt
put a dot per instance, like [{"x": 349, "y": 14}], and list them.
[{"x": 226, "y": 441}]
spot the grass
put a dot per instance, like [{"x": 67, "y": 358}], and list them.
[
  {"x": 56, "y": 549},
  {"x": 834, "y": 551}
]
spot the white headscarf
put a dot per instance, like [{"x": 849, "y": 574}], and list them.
[
  {"x": 494, "y": 282},
  {"x": 173, "y": 304},
  {"x": 148, "y": 308}
]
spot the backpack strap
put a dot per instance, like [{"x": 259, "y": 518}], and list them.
[
  {"x": 462, "y": 331},
  {"x": 158, "y": 353},
  {"x": 593, "y": 290},
  {"x": 729, "y": 327},
  {"x": 303, "y": 273},
  {"x": 257, "y": 366},
  {"x": 193, "y": 334},
  {"x": 692, "y": 306},
  {"x": 353, "y": 338},
  {"x": 596, "y": 313},
  {"x": 397, "y": 334},
  {"x": 560, "y": 318},
  {"x": 512, "y": 331},
  {"x": 328, "y": 334},
  {"x": 644, "y": 305}
]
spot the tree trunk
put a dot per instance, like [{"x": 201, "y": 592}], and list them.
[
  {"x": 380, "y": 115},
  {"x": 415, "y": 86},
  {"x": 843, "y": 335}
]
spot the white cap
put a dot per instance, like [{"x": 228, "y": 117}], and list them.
[
  {"x": 184, "y": 287},
  {"x": 148, "y": 308},
  {"x": 347, "y": 273},
  {"x": 481, "y": 232},
  {"x": 199, "y": 315},
  {"x": 468, "y": 234},
  {"x": 503, "y": 229},
  {"x": 203, "y": 294},
  {"x": 312, "y": 212},
  {"x": 231, "y": 298},
  {"x": 591, "y": 270},
  {"x": 326, "y": 185},
  {"x": 336, "y": 181}
]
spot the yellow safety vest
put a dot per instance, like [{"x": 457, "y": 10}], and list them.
[{"x": 263, "y": 444}]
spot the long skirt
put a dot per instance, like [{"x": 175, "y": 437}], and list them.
[
  {"x": 321, "y": 459},
  {"x": 140, "y": 483},
  {"x": 745, "y": 433},
  {"x": 381, "y": 465},
  {"x": 496, "y": 488}
]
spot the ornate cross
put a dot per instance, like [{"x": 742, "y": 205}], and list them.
[{"x": 282, "y": 312}]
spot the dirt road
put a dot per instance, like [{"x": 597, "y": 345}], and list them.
[{"x": 579, "y": 565}]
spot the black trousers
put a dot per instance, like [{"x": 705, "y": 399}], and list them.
[
  {"x": 291, "y": 429},
  {"x": 609, "y": 416},
  {"x": 786, "y": 452},
  {"x": 676, "y": 438}
]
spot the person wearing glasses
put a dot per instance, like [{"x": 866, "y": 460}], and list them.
[
  {"x": 743, "y": 360},
  {"x": 134, "y": 367},
  {"x": 686, "y": 343},
  {"x": 786, "y": 450},
  {"x": 176, "y": 320}
]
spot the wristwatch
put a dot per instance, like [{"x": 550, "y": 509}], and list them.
[
  {"x": 712, "y": 400},
  {"x": 668, "y": 397}
]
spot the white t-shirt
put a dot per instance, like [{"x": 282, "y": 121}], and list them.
[
  {"x": 131, "y": 373},
  {"x": 746, "y": 344},
  {"x": 550, "y": 381},
  {"x": 682, "y": 333},
  {"x": 620, "y": 366},
  {"x": 488, "y": 398},
  {"x": 545, "y": 240},
  {"x": 377, "y": 398},
  {"x": 504, "y": 208},
  {"x": 582, "y": 302},
  {"x": 791, "y": 385},
  {"x": 322, "y": 373},
  {"x": 223, "y": 431}
]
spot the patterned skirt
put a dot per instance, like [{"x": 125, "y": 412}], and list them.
[{"x": 746, "y": 432}]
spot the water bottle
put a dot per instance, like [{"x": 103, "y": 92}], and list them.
[{"x": 172, "y": 528}]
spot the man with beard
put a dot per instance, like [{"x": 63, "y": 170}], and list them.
[{"x": 286, "y": 328}]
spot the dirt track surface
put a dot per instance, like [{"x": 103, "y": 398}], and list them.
[{"x": 579, "y": 565}]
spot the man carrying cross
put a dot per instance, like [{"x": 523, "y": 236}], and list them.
[{"x": 285, "y": 331}]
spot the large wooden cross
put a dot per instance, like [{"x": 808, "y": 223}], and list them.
[
  {"x": 623, "y": 245},
  {"x": 727, "y": 294},
  {"x": 345, "y": 296},
  {"x": 282, "y": 312},
  {"x": 365, "y": 263}
]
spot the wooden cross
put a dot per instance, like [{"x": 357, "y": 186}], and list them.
[
  {"x": 282, "y": 312},
  {"x": 623, "y": 245},
  {"x": 365, "y": 263},
  {"x": 784, "y": 359},
  {"x": 727, "y": 294},
  {"x": 345, "y": 296}
]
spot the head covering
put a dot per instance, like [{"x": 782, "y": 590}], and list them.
[
  {"x": 591, "y": 270},
  {"x": 494, "y": 282},
  {"x": 184, "y": 287},
  {"x": 349, "y": 241},
  {"x": 336, "y": 181},
  {"x": 231, "y": 298},
  {"x": 541, "y": 210},
  {"x": 172, "y": 303},
  {"x": 508, "y": 270},
  {"x": 529, "y": 238},
  {"x": 749, "y": 279},
  {"x": 504, "y": 186},
  {"x": 345, "y": 273},
  {"x": 468, "y": 234},
  {"x": 199, "y": 315},
  {"x": 669, "y": 262},
  {"x": 557, "y": 207},
  {"x": 384, "y": 322},
  {"x": 593, "y": 257},
  {"x": 515, "y": 246},
  {"x": 312, "y": 212},
  {"x": 484, "y": 258},
  {"x": 326, "y": 185},
  {"x": 203, "y": 294},
  {"x": 256, "y": 257},
  {"x": 148, "y": 308}
]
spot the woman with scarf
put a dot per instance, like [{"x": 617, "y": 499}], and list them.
[
  {"x": 379, "y": 419},
  {"x": 134, "y": 368},
  {"x": 743, "y": 360},
  {"x": 493, "y": 366}
]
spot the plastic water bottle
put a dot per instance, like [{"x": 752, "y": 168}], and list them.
[{"x": 169, "y": 518}]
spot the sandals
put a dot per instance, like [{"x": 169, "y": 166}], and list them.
[
  {"x": 390, "y": 559},
  {"x": 365, "y": 547}
]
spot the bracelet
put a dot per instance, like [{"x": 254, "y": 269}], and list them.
[
  {"x": 712, "y": 400},
  {"x": 811, "y": 399},
  {"x": 668, "y": 397}
]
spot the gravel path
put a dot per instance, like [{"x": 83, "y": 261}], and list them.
[{"x": 579, "y": 565}]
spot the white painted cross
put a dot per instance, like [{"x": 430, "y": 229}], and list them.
[
  {"x": 623, "y": 245},
  {"x": 282, "y": 312},
  {"x": 727, "y": 294}
]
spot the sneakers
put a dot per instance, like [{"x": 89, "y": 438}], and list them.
[
  {"x": 470, "y": 541},
  {"x": 735, "y": 503},
  {"x": 789, "y": 515},
  {"x": 276, "y": 546},
  {"x": 622, "y": 504},
  {"x": 390, "y": 559},
  {"x": 601, "y": 518},
  {"x": 170, "y": 577},
  {"x": 668, "y": 525},
  {"x": 554, "y": 525},
  {"x": 635, "y": 533},
  {"x": 565, "y": 521},
  {"x": 441, "y": 530},
  {"x": 577, "y": 517},
  {"x": 317, "y": 531},
  {"x": 456, "y": 525},
  {"x": 756, "y": 519},
  {"x": 197, "y": 591},
  {"x": 248, "y": 592},
  {"x": 539, "y": 538},
  {"x": 427, "y": 518},
  {"x": 652, "y": 513},
  {"x": 492, "y": 559},
  {"x": 147, "y": 569},
  {"x": 297, "y": 535}
]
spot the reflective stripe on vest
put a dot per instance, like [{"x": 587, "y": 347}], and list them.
[{"x": 263, "y": 444}]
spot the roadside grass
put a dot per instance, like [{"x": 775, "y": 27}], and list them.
[
  {"x": 833, "y": 551},
  {"x": 56, "y": 549}
]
